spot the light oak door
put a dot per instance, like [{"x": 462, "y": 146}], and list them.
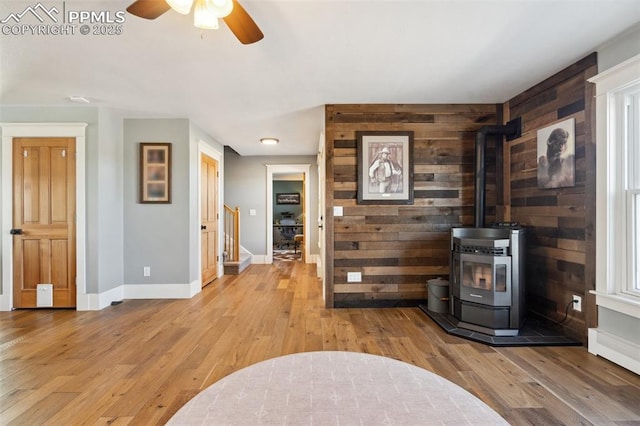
[
  {"x": 209, "y": 215},
  {"x": 44, "y": 249}
]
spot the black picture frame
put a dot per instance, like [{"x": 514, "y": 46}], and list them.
[
  {"x": 288, "y": 198},
  {"x": 385, "y": 180}
]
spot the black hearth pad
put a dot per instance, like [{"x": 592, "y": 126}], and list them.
[{"x": 535, "y": 332}]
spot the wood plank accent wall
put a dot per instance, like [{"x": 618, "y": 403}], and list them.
[
  {"x": 561, "y": 222},
  {"x": 397, "y": 248}
]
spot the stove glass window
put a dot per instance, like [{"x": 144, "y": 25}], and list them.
[
  {"x": 480, "y": 276},
  {"x": 477, "y": 275},
  {"x": 501, "y": 278}
]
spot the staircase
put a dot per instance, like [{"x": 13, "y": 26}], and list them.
[
  {"x": 234, "y": 261},
  {"x": 236, "y": 267}
]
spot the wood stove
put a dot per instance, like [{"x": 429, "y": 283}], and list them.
[{"x": 487, "y": 279}]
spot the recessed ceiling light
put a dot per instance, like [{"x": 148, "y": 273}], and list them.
[
  {"x": 269, "y": 141},
  {"x": 79, "y": 99}
]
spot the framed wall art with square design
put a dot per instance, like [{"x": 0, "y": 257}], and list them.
[{"x": 155, "y": 173}]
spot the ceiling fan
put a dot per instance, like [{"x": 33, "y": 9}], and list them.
[{"x": 206, "y": 14}]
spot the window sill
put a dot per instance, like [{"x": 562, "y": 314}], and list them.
[{"x": 624, "y": 304}]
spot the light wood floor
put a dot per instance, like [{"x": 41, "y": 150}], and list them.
[{"x": 140, "y": 361}]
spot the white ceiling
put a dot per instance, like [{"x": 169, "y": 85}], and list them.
[{"x": 315, "y": 52}]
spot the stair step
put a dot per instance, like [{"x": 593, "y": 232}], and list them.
[{"x": 235, "y": 268}]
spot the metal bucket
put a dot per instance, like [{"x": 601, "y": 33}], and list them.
[{"x": 438, "y": 295}]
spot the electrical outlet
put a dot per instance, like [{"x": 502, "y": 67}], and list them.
[
  {"x": 577, "y": 303},
  {"x": 354, "y": 277},
  {"x": 146, "y": 271}
]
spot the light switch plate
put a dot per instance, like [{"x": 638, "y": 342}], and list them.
[{"x": 337, "y": 210}]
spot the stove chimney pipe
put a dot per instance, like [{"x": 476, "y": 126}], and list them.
[{"x": 511, "y": 130}]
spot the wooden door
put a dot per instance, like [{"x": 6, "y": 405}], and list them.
[
  {"x": 321, "y": 209},
  {"x": 44, "y": 194},
  {"x": 209, "y": 214}
]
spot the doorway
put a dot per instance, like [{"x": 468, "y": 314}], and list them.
[
  {"x": 211, "y": 196},
  {"x": 75, "y": 131},
  {"x": 294, "y": 171},
  {"x": 288, "y": 217},
  {"x": 209, "y": 216}
]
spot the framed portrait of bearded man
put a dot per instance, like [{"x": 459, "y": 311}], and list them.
[{"x": 385, "y": 167}]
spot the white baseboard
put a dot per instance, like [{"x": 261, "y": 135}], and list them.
[
  {"x": 98, "y": 301},
  {"x": 260, "y": 259},
  {"x": 615, "y": 349},
  {"x": 162, "y": 291},
  {"x": 5, "y": 302}
]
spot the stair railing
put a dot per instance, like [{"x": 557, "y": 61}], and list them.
[{"x": 231, "y": 234}]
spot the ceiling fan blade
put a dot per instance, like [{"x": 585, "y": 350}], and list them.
[
  {"x": 242, "y": 25},
  {"x": 148, "y": 9}
]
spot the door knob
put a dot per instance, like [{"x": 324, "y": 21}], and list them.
[
  {"x": 16, "y": 231},
  {"x": 203, "y": 227}
]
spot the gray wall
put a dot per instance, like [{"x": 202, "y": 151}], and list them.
[
  {"x": 621, "y": 48},
  {"x": 123, "y": 235},
  {"x": 108, "y": 198},
  {"x": 245, "y": 186},
  {"x": 196, "y": 137},
  {"x": 157, "y": 235},
  {"x": 94, "y": 134},
  {"x": 286, "y": 186}
]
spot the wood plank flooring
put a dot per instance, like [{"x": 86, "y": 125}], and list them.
[{"x": 140, "y": 361}]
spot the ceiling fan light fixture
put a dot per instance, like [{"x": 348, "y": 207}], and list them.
[
  {"x": 204, "y": 16},
  {"x": 221, "y": 8},
  {"x": 269, "y": 141},
  {"x": 181, "y": 6}
]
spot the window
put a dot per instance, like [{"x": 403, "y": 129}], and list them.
[
  {"x": 618, "y": 187},
  {"x": 632, "y": 138}
]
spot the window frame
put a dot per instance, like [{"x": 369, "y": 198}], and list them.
[
  {"x": 632, "y": 139},
  {"x": 616, "y": 150}
]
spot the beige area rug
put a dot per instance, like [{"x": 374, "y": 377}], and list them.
[{"x": 335, "y": 388}]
